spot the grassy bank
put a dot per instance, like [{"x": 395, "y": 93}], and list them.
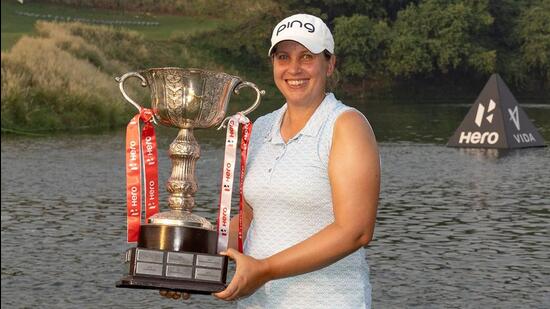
[
  {"x": 59, "y": 75},
  {"x": 15, "y": 24},
  {"x": 58, "y": 80}
]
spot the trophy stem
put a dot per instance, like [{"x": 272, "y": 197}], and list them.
[{"x": 182, "y": 186}]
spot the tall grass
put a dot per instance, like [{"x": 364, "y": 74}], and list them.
[
  {"x": 216, "y": 8},
  {"x": 63, "y": 79},
  {"x": 105, "y": 47}
]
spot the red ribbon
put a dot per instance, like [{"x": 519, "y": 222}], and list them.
[
  {"x": 140, "y": 152},
  {"x": 246, "y": 130}
]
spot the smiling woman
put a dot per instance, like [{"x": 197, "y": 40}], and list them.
[{"x": 311, "y": 188}]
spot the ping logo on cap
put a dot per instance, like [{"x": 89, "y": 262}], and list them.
[
  {"x": 308, "y": 30},
  {"x": 309, "y": 26}
]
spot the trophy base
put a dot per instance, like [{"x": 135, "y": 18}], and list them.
[
  {"x": 140, "y": 282},
  {"x": 176, "y": 258}
]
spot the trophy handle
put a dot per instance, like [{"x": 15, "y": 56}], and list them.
[
  {"x": 259, "y": 94},
  {"x": 121, "y": 81}
]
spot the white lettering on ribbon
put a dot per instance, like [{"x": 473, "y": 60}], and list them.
[{"x": 224, "y": 215}]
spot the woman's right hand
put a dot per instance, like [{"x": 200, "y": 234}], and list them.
[{"x": 174, "y": 294}]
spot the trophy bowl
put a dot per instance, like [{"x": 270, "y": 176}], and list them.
[{"x": 177, "y": 249}]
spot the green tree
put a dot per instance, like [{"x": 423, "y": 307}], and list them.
[
  {"x": 438, "y": 37},
  {"x": 503, "y": 38},
  {"x": 330, "y": 9},
  {"x": 362, "y": 44},
  {"x": 245, "y": 43},
  {"x": 533, "y": 34}
]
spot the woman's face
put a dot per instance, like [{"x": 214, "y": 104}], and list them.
[{"x": 299, "y": 74}]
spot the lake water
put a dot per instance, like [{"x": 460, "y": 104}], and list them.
[{"x": 456, "y": 228}]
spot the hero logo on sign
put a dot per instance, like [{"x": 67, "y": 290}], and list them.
[
  {"x": 481, "y": 111},
  {"x": 477, "y": 137}
]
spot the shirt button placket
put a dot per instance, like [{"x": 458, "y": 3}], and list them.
[
  {"x": 277, "y": 158},
  {"x": 281, "y": 154}
]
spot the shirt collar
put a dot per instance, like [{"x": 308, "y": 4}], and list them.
[{"x": 312, "y": 126}]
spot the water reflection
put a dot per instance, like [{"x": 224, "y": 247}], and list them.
[
  {"x": 456, "y": 228},
  {"x": 491, "y": 153},
  {"x": 482, "y": 153}
]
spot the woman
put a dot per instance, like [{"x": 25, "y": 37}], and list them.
[{"x": 311, "y": 187}]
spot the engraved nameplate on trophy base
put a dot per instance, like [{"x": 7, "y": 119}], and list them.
[
  {"x": 163, "y": 260},
  {"x": 189, "y": 276}
]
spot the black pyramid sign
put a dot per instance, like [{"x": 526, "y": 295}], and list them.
[{"x": 496, "y": 121}]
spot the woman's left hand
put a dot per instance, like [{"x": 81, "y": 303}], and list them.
[{"x": 250, "y": 275}]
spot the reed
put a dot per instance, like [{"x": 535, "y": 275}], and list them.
[{"x": 63, "y": 78}]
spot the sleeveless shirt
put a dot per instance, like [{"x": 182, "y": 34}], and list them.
[{"x": 287, "y": 185}]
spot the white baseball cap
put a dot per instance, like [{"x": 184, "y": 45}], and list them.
[{"x": 308, "y": 30}]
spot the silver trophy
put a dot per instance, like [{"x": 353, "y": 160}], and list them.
[{"x": 177, "y": 249}]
